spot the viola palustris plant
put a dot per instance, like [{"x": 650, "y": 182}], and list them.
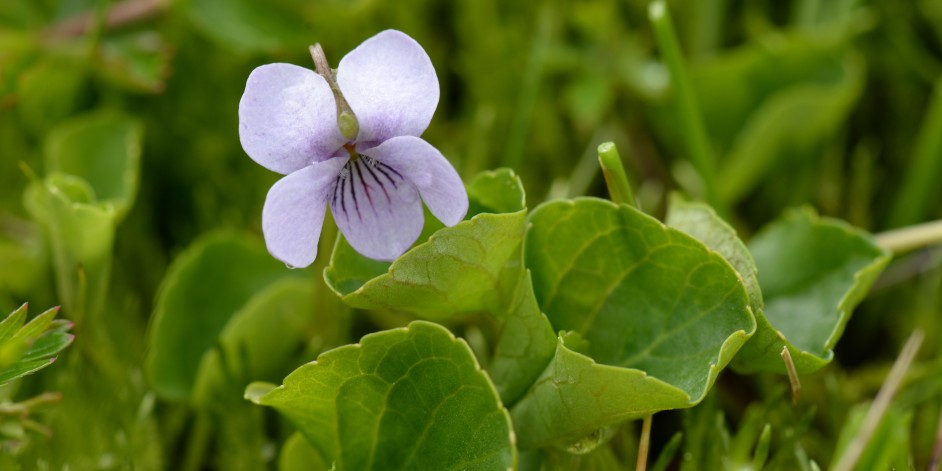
[
  {"x": 419, "y": 248},
  {"x": 598, "y": 312},
  {"x": 350, "y": 138}
]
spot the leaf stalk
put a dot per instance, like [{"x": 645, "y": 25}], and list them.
[{"x": 619, "y": 189}]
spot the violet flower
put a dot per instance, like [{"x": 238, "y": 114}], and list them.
[{"x": 288, "y": 122}]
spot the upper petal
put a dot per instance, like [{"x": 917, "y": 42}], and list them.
[
  {"x": 288, "y": 118},
  {"x": 430, "y": 172},
  {"x": 378, "y": 211},
  {"x": 294, "y": 212},
  {"x": 390, "y": 84}
]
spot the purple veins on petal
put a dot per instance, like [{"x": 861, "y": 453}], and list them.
[
  {"x": 422, "y": 165},
  {"x": 369, "y": 168},
  {"x": 366, "y": 186},
  {"x": 353, "y": 194},
  {"x": 391, "y": 227}
]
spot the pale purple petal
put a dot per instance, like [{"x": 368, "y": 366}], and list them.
[
  {"x": 288, "y": 118},
  {"x": 376, "y": 209},
  {"x": 294, "y": 212},
  {"x": 391, "y": 86},
  {"x": 423, "y": 165}
]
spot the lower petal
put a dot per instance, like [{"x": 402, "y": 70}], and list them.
[
  {"x": 376, "y": 209},
  {"x": 423, "y": 165},
  {"x": 294, "y": 212}
]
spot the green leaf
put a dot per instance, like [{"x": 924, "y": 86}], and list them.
[
  {"x": 813, "y": 272},
  {"x": 12, "y": 323},
  {"x": 660, "y": 312},
  {"x": 80, "y": 235},
  {"x": 701, "y": 222},
  {"x": 103, "y": 149},
  {"x": 575, "y": 397},
  {"x": 270, "y": 331},
  {"x": 471, "y": 267},
  {"x": 734, "y": 87},
  {"x": 496, "y": 191},
  {"x": 36, "y": 326},
  {"x": 204, "y": 288},
  {"x": 770, "y": 104},
  {"x": 409, "y": 398},
  {"x": 93, "y": 167},
  {"x": 525, "y": 346},
  {"x": 25, "y": 349},
  {"x": 23, "y": 368},
  {"x": 461, "y": 269},
  {"x": 298, "y": 455},
  {"x": 788, "y": 127}
]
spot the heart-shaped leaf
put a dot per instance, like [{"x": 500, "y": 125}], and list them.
[
  {"x": 466, "y": 268},
  {"x": 764, "y": 348},
  {"x": 661, "y": 313},
  {"x": 270, "y": 331},
  {"x": 409, "y": 398},
  {"x": 473, "y": 267},
  {"x": 701, "y": 222},
  {"x": 205, "y": 287},
  {"x": 813, "y": 272}
]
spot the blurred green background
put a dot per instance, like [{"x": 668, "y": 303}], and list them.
[{"x": 836, "y": 104}]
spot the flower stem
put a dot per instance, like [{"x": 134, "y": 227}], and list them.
[
  {"x": 690, "y": 119},
  {"x": 911, "y": 237},
  {"x": 321, "y": 66},
  {"x": 642, "y": 464},
  {"x": 346, "y": 119},
  {"x": 615, "y": 178}
]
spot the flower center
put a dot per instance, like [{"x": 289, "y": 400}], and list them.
[
  {"x": 360, "y": 181},
  {"x": 352, "y": 150}
]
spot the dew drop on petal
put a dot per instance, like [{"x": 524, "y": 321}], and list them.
[{"x": 290, "y": 266}]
